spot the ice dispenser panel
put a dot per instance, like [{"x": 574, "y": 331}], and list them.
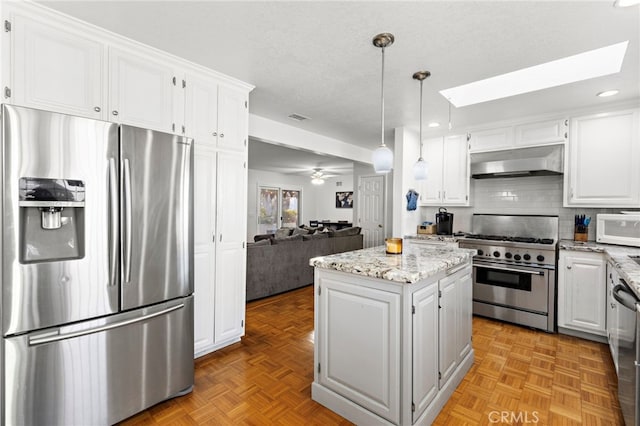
[{"x": 51, "y": 219}]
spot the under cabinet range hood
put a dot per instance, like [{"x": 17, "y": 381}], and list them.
[{"x": 520, "y": 162}]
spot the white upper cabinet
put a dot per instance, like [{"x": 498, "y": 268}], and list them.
[
  {"x": 535, "y": 133},
  {"x": 491, "y": 139},
  {"x": 144, "y": 91},
  {"x": 55, "y": 67},
  {"x": 541, "y": 133},
  {"x": 201, "y": 110},
  {"x": 447, "y": 182},
  {"x": 602, "y": 162},
  {"x": 431, "y": 189},
  {"x": 232, "y": 118},
  {"x": 216, "y": 115}
]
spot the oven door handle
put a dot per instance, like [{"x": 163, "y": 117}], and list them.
[{"x": 524, "y": 271}]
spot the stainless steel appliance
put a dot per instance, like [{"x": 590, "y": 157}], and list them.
[
  {"x": 626, "y": 341},
  {"x": 444, "y": 222},
  {"x": 514, "y": 272},
  {"x": 621, "y": 229},
  {"x": 97, "y": 269},
  {"x": 536, "y": 161}
]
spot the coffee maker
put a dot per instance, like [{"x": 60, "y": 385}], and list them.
[{"x": 444, "y": 222}]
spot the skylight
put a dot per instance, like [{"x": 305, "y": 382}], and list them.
[{"x": 583, "y": 66}]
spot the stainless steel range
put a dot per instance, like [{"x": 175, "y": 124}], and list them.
[{"x": 514, "y": 272}]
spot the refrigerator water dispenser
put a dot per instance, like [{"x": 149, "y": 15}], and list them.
[{"x": 51, "y": 219}]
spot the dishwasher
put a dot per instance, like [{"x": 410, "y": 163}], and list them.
[{"x": 628, "y": 353}]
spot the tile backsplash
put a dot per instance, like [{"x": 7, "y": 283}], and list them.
[{"x": 521, "y": 195}]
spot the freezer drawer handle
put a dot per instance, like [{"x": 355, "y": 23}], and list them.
[{"x": 33, "y": 341}]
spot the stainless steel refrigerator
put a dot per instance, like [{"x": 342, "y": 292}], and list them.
[{"x": 97, "y": 269}]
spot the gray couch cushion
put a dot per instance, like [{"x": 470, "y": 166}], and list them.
[
  {"x": 345, "y": 232},
  {"x": 263, "y": 242},
  {"x": 287, "y": 239},
  {"x": 315, "y": 236}
]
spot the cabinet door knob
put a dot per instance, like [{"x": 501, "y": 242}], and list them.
[
  {"x": 568, "y": 266},
  {"x": 214, "y": 134},
  {"x": 114, "y": 112},
  {"x": 379, "y": 225},
  {"x": 97, "y": 109},
  {"x": 222, "y": 135}
]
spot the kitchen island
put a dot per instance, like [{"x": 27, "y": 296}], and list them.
[{"x": 392, "y": 332}]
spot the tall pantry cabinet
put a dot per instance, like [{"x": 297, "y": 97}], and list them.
[{"x": 53, "y": 62}]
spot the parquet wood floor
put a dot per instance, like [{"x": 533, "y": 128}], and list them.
[{"x": 519, "y": 377}]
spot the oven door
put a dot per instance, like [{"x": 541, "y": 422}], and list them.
[{"x": 511, "y": 286}]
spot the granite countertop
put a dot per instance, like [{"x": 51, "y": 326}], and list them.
[
  {"x": 433, "y": 237},
  {"x": 416, "y": 262},
  {"x": 618, "y": 255}
]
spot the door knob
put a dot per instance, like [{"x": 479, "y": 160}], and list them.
[
  {"x": 568, "y": 266},
  {"x": 379, "y": 225}
]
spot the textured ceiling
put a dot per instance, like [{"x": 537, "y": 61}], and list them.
[{"x": 316, "y": 58}]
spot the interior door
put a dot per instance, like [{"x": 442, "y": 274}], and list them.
[
  {"x": 371, "y": 210},
  {"x": 156, "y": 208}
]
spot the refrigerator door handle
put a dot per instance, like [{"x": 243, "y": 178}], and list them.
[
  {"x": 33, "y": 341},
  {"x": 113, "y": 220},
  {"x": 127, "y": 220}
]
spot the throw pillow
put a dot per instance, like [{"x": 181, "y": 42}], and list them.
[
  {"x": 261, "y": 237},
  {"x": 300, "y": 231},
  {"x": 287, "y": 239},
  {"x": 265, "y": 242},
  {"x": 283, "y": 232}
]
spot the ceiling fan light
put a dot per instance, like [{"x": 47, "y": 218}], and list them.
[
  {"x": 317, "y": 181},
  {"x": 420, "y": 169},
  {"x": 382, "y": 159}
]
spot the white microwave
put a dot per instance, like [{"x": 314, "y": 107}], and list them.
[{"x": 621, "y": 229}]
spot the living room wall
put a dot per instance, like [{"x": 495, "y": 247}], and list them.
[{"x": 317, "y": 201}]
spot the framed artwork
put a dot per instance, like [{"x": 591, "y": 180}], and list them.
[{"x": 344, "y": 200}]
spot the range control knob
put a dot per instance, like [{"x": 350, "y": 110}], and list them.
[
  {"x": 508, "y": 255},
  {"x": 480, "y": 252},
  {"x": 540, "y": 258},
  {"x": 526, "y": 257},
  {"x": 517, "y": 257},
  {"x": 496, "y": 254}
]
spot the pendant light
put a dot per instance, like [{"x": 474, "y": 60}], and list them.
[
  {"x": 420, "y": 168},
  {"x": 382, "y": 157}
]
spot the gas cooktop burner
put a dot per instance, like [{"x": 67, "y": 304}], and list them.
[{"x": 510, "y": 239}]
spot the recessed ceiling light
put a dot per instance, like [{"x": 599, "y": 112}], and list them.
[
  {"x": 433, "y": 124},
  {"x": 583, "y": 66},
  {"x": 607, "y": 93},
  {"x": 625, "y": 3}
]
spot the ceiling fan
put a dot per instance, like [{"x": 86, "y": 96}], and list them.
[{"x": 318, "y": 176}]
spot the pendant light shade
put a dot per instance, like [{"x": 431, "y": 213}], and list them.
[
  {"x": 420, "y": 168},
  {"x": 382, "y": 157}
]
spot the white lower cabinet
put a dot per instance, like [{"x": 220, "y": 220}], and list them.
[
  {"x": 582, "y": 293},
  {"x": 219, "y": 248},
  {"x": 390, "y": 352}
]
